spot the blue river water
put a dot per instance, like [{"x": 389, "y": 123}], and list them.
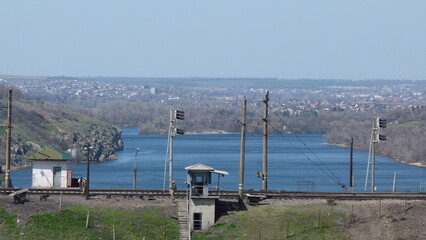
[{"x": 295, "y": 162}]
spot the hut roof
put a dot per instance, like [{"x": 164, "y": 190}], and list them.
[{"x": 50, "y": 154}]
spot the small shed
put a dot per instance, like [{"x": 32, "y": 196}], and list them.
[{"x": 50, "y": 168}]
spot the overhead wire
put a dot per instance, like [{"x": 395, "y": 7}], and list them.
[
  {"x": 335, "y": 179},
  {"x": 329, "y": 173}
]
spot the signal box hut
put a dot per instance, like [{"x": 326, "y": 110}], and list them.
[
  {"x": 202, "y": 196},
  {"x": 50, "y": 169}
]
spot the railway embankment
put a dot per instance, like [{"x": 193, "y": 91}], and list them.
[{"x": 291, "y": 216}]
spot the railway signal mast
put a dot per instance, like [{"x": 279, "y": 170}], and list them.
[
  {"x": 377, "y": 137},
  {"x": 174, "y": 116}
]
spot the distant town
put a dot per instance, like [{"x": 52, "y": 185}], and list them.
[{"x": 313, "y": 96}]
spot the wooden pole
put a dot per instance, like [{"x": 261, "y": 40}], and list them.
[
  {"x": 351, "y": 183},
  {"x": 8, "y": 141},
  {"x": 243, "y": 149},
  {"x": 288, "y": 228},
  {"x": 265, "y": 143},
  {"x": 319, "y": 218},
  {"x": 87, "y": 219},
  {"x": 88, "y": 170}
]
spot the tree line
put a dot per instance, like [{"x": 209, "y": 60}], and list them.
[{"x": 406, "y": 131}]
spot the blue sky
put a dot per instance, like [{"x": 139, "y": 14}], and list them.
[{"x": 338, "y": 39}]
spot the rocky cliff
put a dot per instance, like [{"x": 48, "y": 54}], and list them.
[{"x": 38, "y": 124}]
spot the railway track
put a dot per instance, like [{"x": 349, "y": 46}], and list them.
[{"x": 229, "y": 194}]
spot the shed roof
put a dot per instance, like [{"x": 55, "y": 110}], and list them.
[
  {"x": 202, "y": 167},
  {"x": 198, "y": 167},
  {"x": 50, "y": 154}
]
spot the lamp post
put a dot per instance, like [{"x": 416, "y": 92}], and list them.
[
  {"x": 134, "y": 169},
  {"x": 88, "y": 169}
]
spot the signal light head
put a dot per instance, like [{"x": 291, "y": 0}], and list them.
[
  {"x": 179, "y": 131},
  {"x": 179, "y": 115},
  {"x": 382, "y": 123}
]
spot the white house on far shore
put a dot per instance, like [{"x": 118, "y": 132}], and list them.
[{"x": 50, "y": 169}]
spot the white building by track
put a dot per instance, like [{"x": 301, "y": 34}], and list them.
[{"x": 50, "y": 169}]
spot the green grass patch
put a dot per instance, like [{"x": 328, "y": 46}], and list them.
[
  {"x": 280, "y": 221},
  {"x": 8, "y": 225},
  {"x": 71, "y": 224}
]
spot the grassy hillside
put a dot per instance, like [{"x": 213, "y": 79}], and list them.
[
  {"x": 280, "y": 221},
  {"x": 71, "y": 224}
]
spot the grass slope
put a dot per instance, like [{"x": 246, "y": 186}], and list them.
[
  {"x": 289, "y": 221},
  {"x": 71, "y": 224}
]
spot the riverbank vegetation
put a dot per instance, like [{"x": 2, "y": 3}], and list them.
[
  {"x": 406, "y": 129},
  {"x": 405, "y": 134}
]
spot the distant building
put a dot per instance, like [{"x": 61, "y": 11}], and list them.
[
  {"x": 153, "y": 91},
  {"x": 50, "y": 169}
]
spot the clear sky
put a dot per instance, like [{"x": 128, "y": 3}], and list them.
[{"x": 339, "y": 39}]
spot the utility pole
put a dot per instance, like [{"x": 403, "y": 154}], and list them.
[
  {"x": 88, "y": 170},
  {"x": 243, "y": 149},
  {"x": 8, "y": 140},
  {"x": 351, "y": 183},
  {"x": 265, "y": 143},
  {"x": 373, "y": 153},
  {"x": 134, "y": 169}
]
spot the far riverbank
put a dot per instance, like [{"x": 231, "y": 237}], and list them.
[{"x": 417, "y": 164}]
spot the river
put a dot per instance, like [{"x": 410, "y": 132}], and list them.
[{"x": 295, "y": 162}]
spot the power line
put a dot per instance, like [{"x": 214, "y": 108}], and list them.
[{"x": 333, "y": 176}]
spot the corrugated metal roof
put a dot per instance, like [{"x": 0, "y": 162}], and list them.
[
  {"x": 50, "y": 153},
  {"x": 202, "y": 167},
  {"x": 199, "y": 167}
]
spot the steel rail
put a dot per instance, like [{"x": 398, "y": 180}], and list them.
[{"x": 230, "y": 194}]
